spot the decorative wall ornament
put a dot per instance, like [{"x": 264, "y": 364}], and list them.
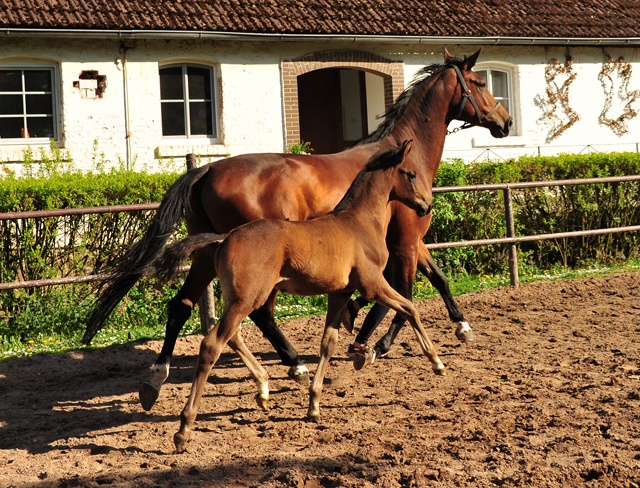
[
  {"x": 557, "y": 99},
  {"x": 622, "y": 70}
]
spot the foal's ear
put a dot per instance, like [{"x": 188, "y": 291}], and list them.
[
  {"x": 407, "y": 148},
  {"x": 471, "y": 60}
]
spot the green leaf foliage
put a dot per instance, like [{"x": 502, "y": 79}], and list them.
[{"x": 480, "y": 215}]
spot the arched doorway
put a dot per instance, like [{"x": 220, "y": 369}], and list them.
[
  {"x": 338, "y": 107},
  {"x": 335, "y": 92}
]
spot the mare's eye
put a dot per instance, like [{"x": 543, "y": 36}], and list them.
[
  {"x": 411, "y": 174},
  {"x": 481, "y": 84}
]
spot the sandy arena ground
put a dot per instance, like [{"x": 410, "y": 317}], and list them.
[{"x": 548, "y": 396}]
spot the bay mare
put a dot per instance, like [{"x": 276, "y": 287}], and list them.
[
  {"x": 334, "y": 254},
  {"x": 225, "y": 194}
]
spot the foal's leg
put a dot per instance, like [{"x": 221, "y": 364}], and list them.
[
  {"x": 210, "y": 350},
  {"x": 263, "y": 317},
  {"x": 404, "y": 273},
  {"x": 434, "y": 274},
  {"x": 179, "y": 309},
  {"x": 258, "y": 373},
  {"x": 428, "y": 267},
  {"x": 391, "y": 298},
  {"x": 335, "y": 307}
]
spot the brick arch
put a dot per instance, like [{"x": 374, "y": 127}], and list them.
[{"x": 392, "y": 72}]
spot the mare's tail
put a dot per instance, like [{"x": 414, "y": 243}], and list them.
[
  {"x": 133, "y": 265},
  {"x": 168, "y": 263}
]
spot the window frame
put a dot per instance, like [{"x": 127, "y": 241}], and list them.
[
  {"x": 512, "y": 97},
  {"x": 56, "y": 108},
  {"x": 211, "y": 138}
]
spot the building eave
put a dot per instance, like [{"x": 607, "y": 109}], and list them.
[{"x": 129, "y": 34}]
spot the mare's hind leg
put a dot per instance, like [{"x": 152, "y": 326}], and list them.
[
  {"x": 434, "y": 274},
  {"x": 263, "y": 317},
  {"x": 179, "y": 309},
  {"x": 210, "y": 350},
  {"x": 335, "y": 307},
  {"x": 258, "y": 373}
]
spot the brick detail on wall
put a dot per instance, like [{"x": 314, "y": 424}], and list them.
[{"x": 391, "y": 71}]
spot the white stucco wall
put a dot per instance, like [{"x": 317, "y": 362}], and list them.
[{"x": 251, "y": 103}]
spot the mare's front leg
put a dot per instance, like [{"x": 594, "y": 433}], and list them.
[
  {"x": 335, "y": 308},
  {"x": 434, "y": 274},
  {"x": 179, "y": 310},
  {"x": 263, "y": 317},
  {"x": 210, "y": 350}
]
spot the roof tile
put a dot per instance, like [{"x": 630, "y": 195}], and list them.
[{"x": 475, "y": 18}]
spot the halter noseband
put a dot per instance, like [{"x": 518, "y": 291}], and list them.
[{"x": 466, "y": 95}]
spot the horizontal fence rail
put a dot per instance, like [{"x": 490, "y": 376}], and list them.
[{"x": 505, "y": 187}]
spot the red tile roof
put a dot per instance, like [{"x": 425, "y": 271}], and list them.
[{"x": 473, "y": 18}]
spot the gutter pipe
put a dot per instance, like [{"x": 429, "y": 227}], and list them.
[{"x": 127, "y": 34}]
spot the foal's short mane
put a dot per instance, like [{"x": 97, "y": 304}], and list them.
[
  {"x": 380, "y": 161},
  {"x": 395, "y": 112}
]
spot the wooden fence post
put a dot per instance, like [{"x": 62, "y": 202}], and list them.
[
  {"x": 511, "y": 232},
  {"x": 207, "y": 302}
]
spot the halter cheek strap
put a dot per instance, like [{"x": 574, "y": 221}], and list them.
[{"x": 466, "y": 95}]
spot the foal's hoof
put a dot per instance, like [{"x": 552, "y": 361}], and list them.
[
  {"x": 300, "y": 374},
  {"x": 180, "y": 442},
  {"x": 313, "y": 417},
  {"x": 363, "y": 357},
  {"x": 464, "y": 333},
  {"x": 148, "y": 396},
  {"x": 440, "y": 371},
  {"x": 262, "y": 402}
]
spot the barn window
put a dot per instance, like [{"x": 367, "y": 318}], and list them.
[
  {"x": 188, "y": 101},
  {"x": 28, "y": 104},
  {"x": 500, "y": 82}
]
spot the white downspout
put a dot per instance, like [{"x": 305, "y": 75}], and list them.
[{"x": 125, "y": 87}]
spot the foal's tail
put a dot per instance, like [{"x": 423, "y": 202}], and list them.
[
  {"x": 167, "y": 264},
  {"x": 135, "y": 263}
]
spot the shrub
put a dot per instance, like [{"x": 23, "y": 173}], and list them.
[{"x": 480, "y": 215}]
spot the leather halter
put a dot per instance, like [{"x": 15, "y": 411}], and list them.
[{"x": 466, "y": 95}]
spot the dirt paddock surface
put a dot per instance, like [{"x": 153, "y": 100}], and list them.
[{"x": 548, "y": 396}]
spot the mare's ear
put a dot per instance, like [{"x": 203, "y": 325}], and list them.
[
  {"x": 471, "y": 60},
  {"x": 447, "y": 56}
]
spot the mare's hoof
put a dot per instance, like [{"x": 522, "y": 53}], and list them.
[
  {"x": 148, "y": 396},
  {"x": 262, "y": 402},
  {"x": 363, "y": 357},
  {"x": 180, "y": 442},
  {"x": 300, "y": 376},
  {"x": 464, "y": 333},
  {"x": 313, "y": 417}
]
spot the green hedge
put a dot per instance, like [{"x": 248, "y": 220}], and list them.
[
  {"x": 76, "y": 245},
  {"x": 480, "y": 215}
]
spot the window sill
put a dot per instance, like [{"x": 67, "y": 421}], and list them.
[
  {"x": 489, "y": 141},
  {"x": 182, "y": 147}
]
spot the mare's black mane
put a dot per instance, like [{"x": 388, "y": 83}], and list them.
[{"x": 396, "y": 111}]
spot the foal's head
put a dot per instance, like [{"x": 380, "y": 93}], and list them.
[{"x": 407, "y": 188}]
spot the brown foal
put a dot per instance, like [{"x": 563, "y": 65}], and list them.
[{"x": 336, "y": 254}]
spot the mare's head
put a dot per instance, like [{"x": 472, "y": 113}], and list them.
[
  {"x": 406, "y": 188},
  {"x": 472, "y": 102}
]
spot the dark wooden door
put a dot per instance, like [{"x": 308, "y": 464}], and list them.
[{"x": 320, "y": 110}]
